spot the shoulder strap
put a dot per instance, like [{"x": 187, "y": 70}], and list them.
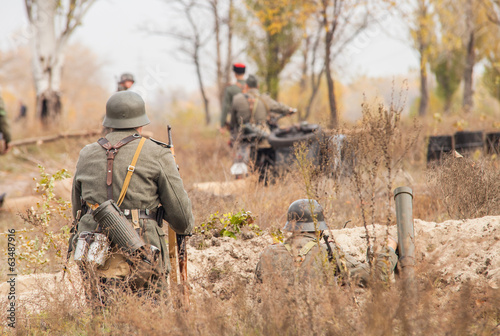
[
  {"x": 299, "y": 259},
  {"x": 131, "y": 170},
  {"x": 111, "y": 153}
]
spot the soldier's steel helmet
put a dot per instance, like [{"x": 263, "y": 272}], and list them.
[
  {"x": 302, "y": 214},
  {"x": 125, "y": 109},
  {"x": 126, "y": 77}
]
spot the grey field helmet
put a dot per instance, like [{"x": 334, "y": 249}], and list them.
[
  {"x": 300, "y": 218},
  {"x": 126, "y": 77},
  {"x": 125, "y": 109}
]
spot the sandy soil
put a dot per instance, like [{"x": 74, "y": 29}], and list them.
[{"x": 450, "y": 253}]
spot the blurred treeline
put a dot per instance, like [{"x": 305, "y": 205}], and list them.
[{"x": 299, "y": 50}]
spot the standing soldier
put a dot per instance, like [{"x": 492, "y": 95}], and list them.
[
  {"x": 4, "y": 128},
  {"x": 250, "y": 113},
  {"x": 230, "y": 92},
  {"x": 4, "y": 137},
  {"x": 302, "y": 257},
  {"x": 254, "y": 109},
  {"x": 144, "y": 174},
  {"x": 126, "y": 82}
]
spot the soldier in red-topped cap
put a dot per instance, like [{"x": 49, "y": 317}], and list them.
[{"x": 230, "y": 92}]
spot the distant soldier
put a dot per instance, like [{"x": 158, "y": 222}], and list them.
[
  {"x": 141, "y": 177},
  {"x": 230, "y": 92},
  {"x": 250, "y": 113},
  {"x": 22, "y": 111},
  {"x": 252, "y": 109},
  {"x": 4, "y": 137},
  {"x": 303, "y": 257},
  {"x": 126, "y": 82},
  {"x": 4, "y": 128}
]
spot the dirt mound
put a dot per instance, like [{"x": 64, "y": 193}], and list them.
[
  {"x": 454, "y": 252},
  {"x": 449, "y": 254}
]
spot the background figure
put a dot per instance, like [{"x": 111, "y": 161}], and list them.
[
  {"x": 230, "y": 92},
  {"x": 126, "y": 82},
  {"x": 304, "y": 258},
  {"x": 5, "y": 136},
  {"x": 252, "y": 110},
  {"x": 22, "y": 111}
]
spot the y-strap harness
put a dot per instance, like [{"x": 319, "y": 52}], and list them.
[{"x": 111, "y": 151}]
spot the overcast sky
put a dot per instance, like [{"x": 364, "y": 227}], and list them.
[{"x": 111, "y": 30}]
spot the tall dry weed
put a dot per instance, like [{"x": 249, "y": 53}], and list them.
[{"x": 468, "y": 188}]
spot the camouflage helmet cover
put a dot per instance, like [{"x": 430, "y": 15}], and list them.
[
  {"x": 125, "y": 109},
  {"x": 126, "y": 77},
  {"x": 302, "y": 215}
]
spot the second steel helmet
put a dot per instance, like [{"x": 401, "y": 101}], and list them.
[
  {"x": 125, "y": 109},
  {"x": 305, "y": 215},
  {"x": 126, "y": 77}
]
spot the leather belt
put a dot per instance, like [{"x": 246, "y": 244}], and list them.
[{"x": 143, "y": 214}]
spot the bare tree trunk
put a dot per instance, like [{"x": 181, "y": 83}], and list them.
[
  {"x": 333, "y": 123},
  {"x": 305, "y": 63},
  {"x": 229, "y": 43},
  {"x": 305, "y": 71},
  {"x": 52, "y": 24},
  {"x": 424, "y": 90},
  {"x": 315, "y": 81},
  {"x": 196, "y": 60},
  {"x": 47, "y": 61},
  {"x": 470, "y": 59},
  {"x": 218, "y": 54},
  {"x": 334, "y": 118},
  {"x": 273, "y": 68},
  {"x": 315, "y": 84}
]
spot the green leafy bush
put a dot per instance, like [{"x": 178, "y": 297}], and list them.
[
  {"x": 228, "y": 225},
  {"x": 45, "y": 234}
]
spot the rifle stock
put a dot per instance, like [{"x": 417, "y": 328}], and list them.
[{"x": 180, "y": 241}]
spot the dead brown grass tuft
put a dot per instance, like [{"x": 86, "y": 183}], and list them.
[{"x": 468, "y": 188}]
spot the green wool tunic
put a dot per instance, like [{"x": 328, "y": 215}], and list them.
[
  {"x": 277, "y": 262},
  {"x": 155, "y": 181}
]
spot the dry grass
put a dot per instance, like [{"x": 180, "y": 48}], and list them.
[
  {"x": 385, "y": 159},
  {"x": 468, "y": 188},
  {"x": 275, "y": 309}
]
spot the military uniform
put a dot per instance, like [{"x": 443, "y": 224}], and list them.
[
  {"x": 155, "y": 181},
  {"x": 4, "y": 123},
  {"x": 301, "y": 258},
  {"x": 229, "y": 93},
  {"x": 253, "y": 107},
  {"x": 4, "y": 136}
]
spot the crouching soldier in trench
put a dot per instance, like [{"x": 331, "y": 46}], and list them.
[
  {"x": 302, "y": 257},
  {"x": 123, "y": 189}
]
